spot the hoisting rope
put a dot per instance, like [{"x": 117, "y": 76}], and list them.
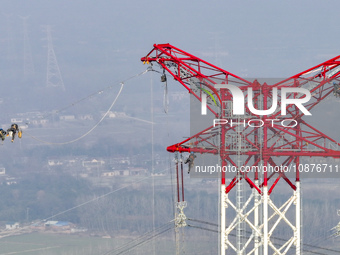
[
  {"x": 164, "y": 79},
  {"x": 177, "y": 177},
  {"x": 96, "y": 125},
  {"x": 182, "y": 176},
  {"x": 165, "y": 96}
]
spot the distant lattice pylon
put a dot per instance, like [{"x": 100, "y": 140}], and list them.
[{"x": 53, "y": 75}]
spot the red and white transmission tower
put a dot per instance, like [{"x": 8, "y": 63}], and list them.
[{"x": 262, "y": 136}]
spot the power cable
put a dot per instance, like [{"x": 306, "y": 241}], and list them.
[
  {"x": 276, "y": 238},
  {"x": 96, "y": 125},
  {"x": 102, "y": 196},
  {"x": 205, "y": 222},
  {"x": 81, "y": 204},
  {"x": 216, "y": 231},
  {"x": 88, "y": 132},
  {"x": 149, "y": 236},
  {"x": 95, "y": 94}
]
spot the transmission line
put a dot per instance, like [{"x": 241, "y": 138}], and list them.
[
  {"x": 149, "y": 236},
  {"x": 96, "y": 125},
  {"x": 276, "y": 238}
]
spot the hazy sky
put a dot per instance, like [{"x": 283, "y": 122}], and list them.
[
  {"x": 254, "y": 38},
  {"x": 99, "y": 41}
]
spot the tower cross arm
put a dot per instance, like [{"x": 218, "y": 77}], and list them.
[{"x": 196, "y": 75}]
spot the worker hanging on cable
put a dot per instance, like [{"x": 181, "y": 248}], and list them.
[
  {"x": 2, "y": 134},
  {"x": 13, "y": 130},
  {"x": 190, "y": 161}
]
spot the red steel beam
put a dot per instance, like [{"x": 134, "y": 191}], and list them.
[{"x": 277, "y": 141}]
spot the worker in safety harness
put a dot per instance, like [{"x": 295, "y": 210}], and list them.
[
  {"x": 2, "y": 134},
  {"x": 190, "y": 161},
  {"x": 13, "y": 130}
]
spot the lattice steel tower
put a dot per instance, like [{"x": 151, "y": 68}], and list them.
[
  {"x": 252, "y": 131},
  {"x": 53, "y": 75}
]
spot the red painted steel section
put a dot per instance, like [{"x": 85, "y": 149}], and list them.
[
  {"x": 272, "y": 144},
  {"x": 177, "y": 177},
  {"x": 182, "y": 180}
]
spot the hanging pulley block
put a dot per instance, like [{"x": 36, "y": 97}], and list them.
[{"x": 163, "y": 78}]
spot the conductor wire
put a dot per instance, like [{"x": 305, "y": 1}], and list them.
[{"x": 96, "y": 125}]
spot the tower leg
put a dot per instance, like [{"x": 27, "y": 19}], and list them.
[
  {"x": 256, "y": 219},
  {"x": 223, "y": 220},
  {"x": 265, "y": 220},
  {"x": 298, "y": 218}
]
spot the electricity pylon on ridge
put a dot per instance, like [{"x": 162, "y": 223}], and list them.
[
  {"x": 257, "y": 140},
  {"x": 53, "y": 74}
]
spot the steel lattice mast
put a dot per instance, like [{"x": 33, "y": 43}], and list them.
[
  {"x": 53, "y": 75},
  {"x": 254, "y": 140}
]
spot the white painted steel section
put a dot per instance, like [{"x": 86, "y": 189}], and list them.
[
  {"x": 265, "y": 220},
  {"x": 298, "y": 218},
  {"x": 223, "y": 220},
  {"x": 256, "y": 208},
  {"x": 256, "y": 219}
]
